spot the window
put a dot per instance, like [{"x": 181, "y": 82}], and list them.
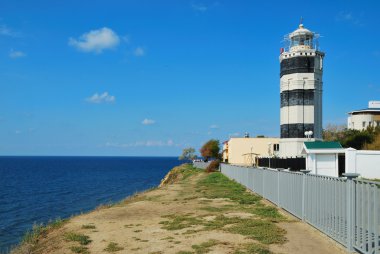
[
  {"x": 378, "y": 123},
  {"x": 363, "y": 124},
  {"x": 276, "y": 147},
  {"x": 369, "y": 123}
]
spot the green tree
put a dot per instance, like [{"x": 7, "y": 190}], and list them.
[
  {"x": 188, "y": 154},
  {"x": 350, "y": 138},
  {"x": 375, "y": 145},
  {"x": 210, "y": 149}
]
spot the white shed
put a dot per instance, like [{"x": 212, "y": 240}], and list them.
[{"x": 322, "y": 157}]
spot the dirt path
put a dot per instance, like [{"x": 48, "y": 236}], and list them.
[{"x": 184, "y": 218}]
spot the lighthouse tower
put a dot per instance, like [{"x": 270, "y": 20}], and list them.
[{"x": 301, "y": 91}]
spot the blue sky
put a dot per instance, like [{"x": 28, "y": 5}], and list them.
[{"x": 141, "y": 78}]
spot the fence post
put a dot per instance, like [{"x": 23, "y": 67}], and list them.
[
  {"x": 278, "y": 186},
  {"x": 304, "y": 171},
  {"x": 350, "y": 209}
]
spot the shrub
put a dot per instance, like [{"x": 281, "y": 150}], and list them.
[{"x": 214, "y": 166}]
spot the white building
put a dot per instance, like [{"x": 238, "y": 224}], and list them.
[
  {"x": 322, "y": 158},
  {"x": 361, "y": 119},
  {"x": 301, "y": 91}
]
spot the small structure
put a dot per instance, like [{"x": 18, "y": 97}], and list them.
[
  {"x": 322, "y": 158},
  {"x": 363, "y": 118},
  {"x": 363, "y": 162},
  {"x": 244, "y": 151}
]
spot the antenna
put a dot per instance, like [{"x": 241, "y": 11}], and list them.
[{"x": 301, "y": 20}]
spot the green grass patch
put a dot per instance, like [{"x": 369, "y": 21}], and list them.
[
  {"x": 39, "y": 230},
  {"x": 80, "y": 238},
  {"x": 167, "y": 238},
  {"x": 268, "y": 212},
  {"x": 216, "y": 185},
  {"x": 79, "y": 249},
  {"x": 113, "y": 247},
  {"x": 184, "y": 252},
  {"x": 264, "y": 231},
  {"x": 177, "y": 222},
  {"x": 254, "y": 248},
  {"x": 188, "y": 170},
  {"x": 204, "y": 247},
  {"x": 88, "y": 226},
  {"x": 214, "y": 209}
]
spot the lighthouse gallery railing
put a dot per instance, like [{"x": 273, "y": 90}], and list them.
[{"x": 346, "y": 210}]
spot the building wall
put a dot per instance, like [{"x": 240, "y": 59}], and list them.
[
  {"x": 322, "y": 164},
  {"x": 239, "y": 149},
  {"x": 356, "y": 121},
  {"x": 363, "y": 162},
  {"x": 292, "y": 147}
]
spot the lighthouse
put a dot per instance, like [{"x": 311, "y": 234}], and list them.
[{"x": 301, "y": 69}]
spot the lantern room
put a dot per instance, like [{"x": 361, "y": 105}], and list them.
[{"x": 301, "y": 39}]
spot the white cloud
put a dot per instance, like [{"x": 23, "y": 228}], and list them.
[
  {"x": 16, "y": 54},
  {"x": 139, "y": 51},
  {"x": 347, "y": 16},
  {"x": 214, "y": 126},
  {"x": 199, "y": 7},
  {"x": 17, "y": 132},
  {"x": 6, "y": 31},
  {"x": 344, "y": 16},
  {"x": 147, "y": 121},
  {"x": 101, "y": 98},
  {"x": 96, "y": 40},
  {"x": 148, "y": 143}
]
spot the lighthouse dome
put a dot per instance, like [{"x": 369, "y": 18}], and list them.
[{"x": 301, "y": 32}]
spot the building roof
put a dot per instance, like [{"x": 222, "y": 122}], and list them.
[
  {"x": 366, "y": 110},
  {"x": 322, "y": 145}
]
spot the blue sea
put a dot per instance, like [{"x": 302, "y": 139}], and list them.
[{"x": 34, "y": 190}]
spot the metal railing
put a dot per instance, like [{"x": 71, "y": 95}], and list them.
[{"x": 347, "y": 210}]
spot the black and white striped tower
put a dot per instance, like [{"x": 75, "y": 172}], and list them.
[{"x": 301, "y": 91}]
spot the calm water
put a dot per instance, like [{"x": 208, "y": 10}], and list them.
[{"x": 39, "y": 189}]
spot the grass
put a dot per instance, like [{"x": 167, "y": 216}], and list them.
[
  {"x": 88, "y": 226},
  {"x": 38, "y": 231},
  {"x": 79, "y": 249},
  {"x": 167, "y": 238},
  {"x": 113, "y": 247},
  {"x": 263, "y": 231},
  {"x": 253, "y": 248},
  {"x": 80, "y": 238},
  {"x": 261, "y": 226},
  {"x": 216, "y": 185},
  {"x": 182, "y": 173},
  {"x": 204, "y": 247},
  {"x": 177, "y": 222}
]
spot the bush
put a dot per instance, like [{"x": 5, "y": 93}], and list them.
[{"x": 214, "y": 166}]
